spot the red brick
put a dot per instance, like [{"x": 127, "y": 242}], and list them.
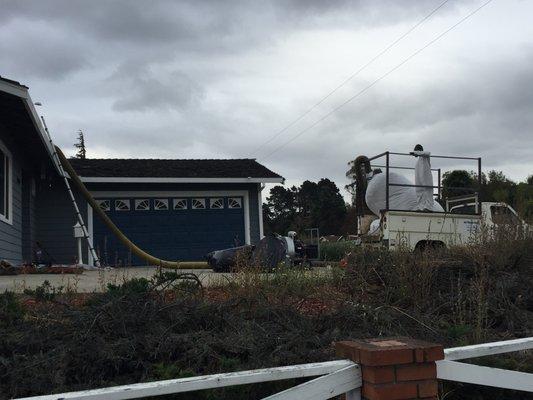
[
  {"x": 348, "y": 350},
  {"x": 416, "y": 372},
  {"x": 389, "y": 391},
  {"x": 419, "y": 355},
  {"x": 386, "y": 356},
  {"x": 434, "y": 353},
  {"x": 378, "y": 374},
  {"x": 428, "y": 389}
]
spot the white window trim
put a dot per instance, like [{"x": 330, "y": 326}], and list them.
[
  {"x": 164, "y": 201},
  {"x": 126, "y": 201},
  {"x": 201, "y": 200},
  {"x": 236, "y": 199},
  {"x": 176, "y": 200},
  {"x": 9, "y": 182},
  {"x": 100, "y": 202},
  {"x": 213, "y": 200},
  {"x": 138, "y": 202}
]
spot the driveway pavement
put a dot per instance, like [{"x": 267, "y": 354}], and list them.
[{"x": 94, "y": 281}]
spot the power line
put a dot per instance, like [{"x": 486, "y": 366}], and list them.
[
  {"x": 386, "y": 49},
  {"x": 366, "y": 88}
]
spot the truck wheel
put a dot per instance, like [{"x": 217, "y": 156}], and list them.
[{"x": 424, "y": 245}]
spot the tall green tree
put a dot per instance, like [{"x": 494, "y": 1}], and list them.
[
  {"x": 495, "y": 186},
  {"x": 457, "y": 183},
  {"x": 311, "y": 205}
]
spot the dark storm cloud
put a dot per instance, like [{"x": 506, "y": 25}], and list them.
[
  {"x": 110, "y": 30},
  {"x": 184, "y": 79},
  {"x": 39, "y": 50},
  {"x": 137, "y": 88},
  {"x": 477, "y": 111}
]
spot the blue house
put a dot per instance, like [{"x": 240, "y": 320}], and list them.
[{"x": 173, "y": 209}]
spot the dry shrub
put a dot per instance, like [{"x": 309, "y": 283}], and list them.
[{"x": 469, "y": 291}]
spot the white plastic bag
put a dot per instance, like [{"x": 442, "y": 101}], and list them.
[{"x": 400, "y": 197}]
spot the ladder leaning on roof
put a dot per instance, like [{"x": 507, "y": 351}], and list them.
[{"x": 72, "y": 198}]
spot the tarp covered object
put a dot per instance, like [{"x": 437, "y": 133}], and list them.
[{"x": 400, "y": 197}]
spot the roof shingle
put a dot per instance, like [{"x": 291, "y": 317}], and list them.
[{"x": 165, "y": 168}]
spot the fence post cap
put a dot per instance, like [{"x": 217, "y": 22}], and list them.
[{"x": 389, "y": 351}]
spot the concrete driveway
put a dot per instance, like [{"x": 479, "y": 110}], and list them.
[{"x": 95, "y": 281}]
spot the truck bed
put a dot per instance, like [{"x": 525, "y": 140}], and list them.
[{"x": 408, "y": 228}]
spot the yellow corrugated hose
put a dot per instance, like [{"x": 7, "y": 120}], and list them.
[{"x": 118, "y": 233}]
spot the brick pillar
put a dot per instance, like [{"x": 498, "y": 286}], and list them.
[{"x": 395, "y": 368}]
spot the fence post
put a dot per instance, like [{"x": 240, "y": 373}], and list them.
[{"x": 395, "y": 368}]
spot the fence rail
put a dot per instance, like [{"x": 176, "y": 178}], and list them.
[
  {"x": 336, "y": 377},
  {"x": 449, "y": 369},
  {"x": 333, "y": 377}
]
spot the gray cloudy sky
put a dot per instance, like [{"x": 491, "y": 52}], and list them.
[{"x": 216, "y": 79}]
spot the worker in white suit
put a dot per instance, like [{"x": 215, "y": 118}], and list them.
[{"x": 423, "y": 177}]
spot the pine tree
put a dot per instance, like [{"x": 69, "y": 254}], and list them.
[{"x": 80, "y": 146}]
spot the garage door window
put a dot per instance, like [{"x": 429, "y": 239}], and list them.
[
  {"x": 198, "y": 204},
  {"x": 180, "y": 204},
  {"x": 122, "y": 205},
  {"x": 234, "y": 202},
  {"x": 105, "y": 205},
  {"x": 141, "y": 205},
  {"x": 160, "y": 204},
  {"x": 216, "y": 203}
]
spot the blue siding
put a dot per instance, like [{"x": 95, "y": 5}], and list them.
[
  {"x": 11, "y": 234},
  {"x": 28, "y": 216},
  {"x": 55, "y": 221}
]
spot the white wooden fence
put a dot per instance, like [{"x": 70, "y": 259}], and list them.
[
  {"x": 450, "y": 369},
  {"x": 334, "y": 378}
]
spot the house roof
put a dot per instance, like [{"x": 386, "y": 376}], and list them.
[
  {"x": 11, "y": 81},
  {"x": 131, "y": 169},
  {"x": 21, "y": 121}
]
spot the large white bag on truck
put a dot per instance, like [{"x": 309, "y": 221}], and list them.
[{"x": 400, "y": 197}]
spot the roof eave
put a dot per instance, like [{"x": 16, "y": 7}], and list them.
[
  {"x": 23, "y": 93},
  {"x": 117, "y": 179}
]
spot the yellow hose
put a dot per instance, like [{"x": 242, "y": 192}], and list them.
[{"x": 111, "y": 225}]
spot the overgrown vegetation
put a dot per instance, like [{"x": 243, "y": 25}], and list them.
[{"x": 165, "y": 328}]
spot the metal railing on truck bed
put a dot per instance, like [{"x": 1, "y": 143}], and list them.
[{"x": 388, "y": 166}]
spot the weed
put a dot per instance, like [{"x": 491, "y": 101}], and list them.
[
  {"x": 11, "y": 309},
  {"x": 45, "y": 292}
]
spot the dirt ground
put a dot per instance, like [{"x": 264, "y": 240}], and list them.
[{"x": 93, "y": 281}]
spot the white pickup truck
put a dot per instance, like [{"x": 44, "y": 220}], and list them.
[{"x": 459, "y": 225}]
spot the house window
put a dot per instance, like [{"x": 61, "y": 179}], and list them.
[
  {"x": 6, "y": 189},
  {"x": 198, "y": 204},
  {"x": 180, "y": 204},
  {"x": 142, "y": 205},
  {"x": 122, "y": 205},
  {"x": 160, "y": 204},
  {"x": 234, "y": 202},
  {"x": 216, "y": 203},
  {"x": 105, "y": 205}
]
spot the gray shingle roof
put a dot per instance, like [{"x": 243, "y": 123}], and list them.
[{"x": 164, "y": 168}]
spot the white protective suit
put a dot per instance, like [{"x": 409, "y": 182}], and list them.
[{"x": 423, "y": 176}]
